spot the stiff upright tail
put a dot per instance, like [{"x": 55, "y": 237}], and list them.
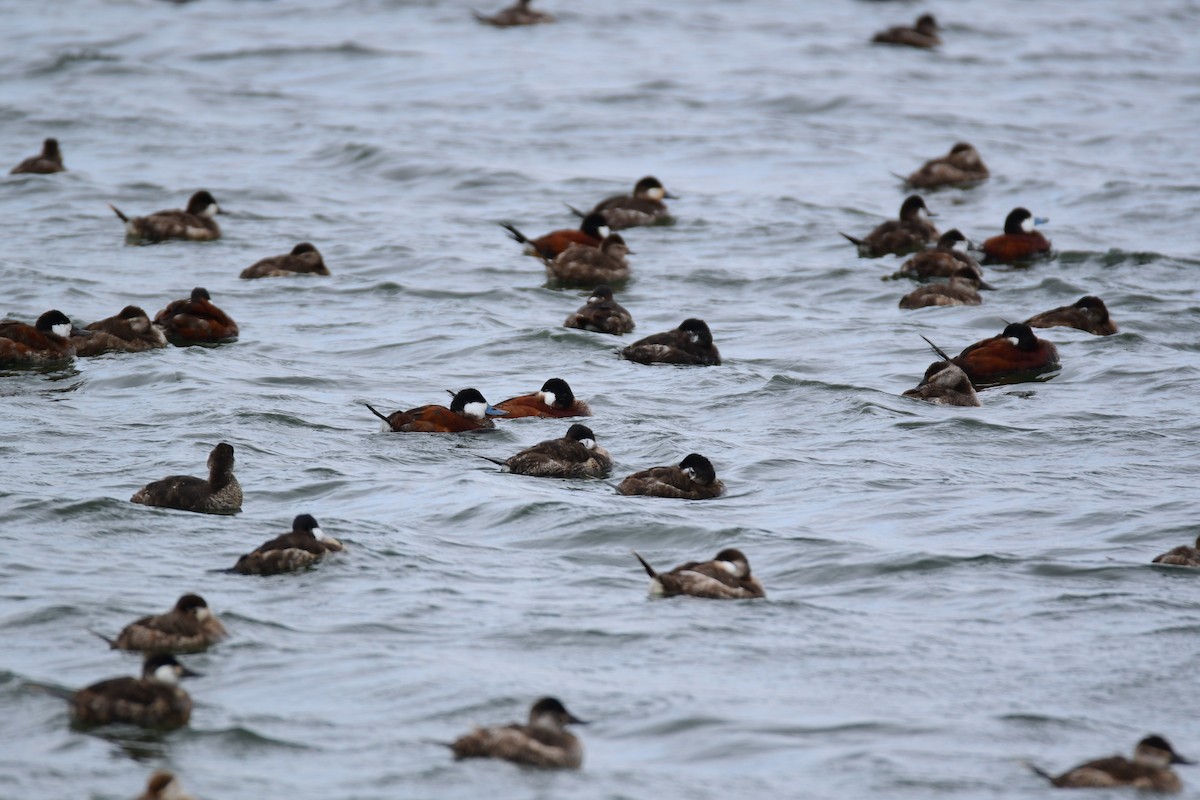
[
  {"x": 941, "y": 353},
  {"x": 117, "y": 211},
  {"x": 575, "y": 210},
  {"x": 376, "y": 413},
  {"x": 649, "y": 569},
  {"x": 501, "y": 462},
  {"x": 1039, "y": 771},
  {"x": 853, "y": 241},
  {"x": 112, "y": 643},
  {"x": 45, "y": 688},
  {"x": 514, "y": 233}
]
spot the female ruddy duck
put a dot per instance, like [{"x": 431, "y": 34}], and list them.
[
  {"x": 726, "y": 577},
  {"x": 575, "y": 455},
  {"x": 961, "y": 290},
  {"x": 518, "y": 14},
  {"x": 1182, "y": 556},
  {"x": 912, "y": 231},
  {"x": 305, "y": 545},
  {"x": 467, "y": 412},
  {"x": 544, "y": 742},
  {"x": 923, "y": 34},
  {"x": 1014, "y": 356},
  {"x": 945, "y": 384},
  {"x": 128, "y": 332},
  {"x": 1149, "y": 769},
  {"x": 1019, "y": 242},
  {"x": 693, "y": 479},
  {"x": 220, "y": 494},
  {"x": 164, "y": 785},
  {"x": 583, "y": 265},
  {"x": 592, "y": 230},
  {"x": 48, "y": 161},
  {"x": 1088, "y": 313},
  {"x": 690, "y": 343},
  {"x": 644, "y": 207},
  {"x": 196, "y": 321},
  {"x": 554, "y": 399},
  {"x": 189, "y": 627},
  {"x": 303, "y": 260},
  {"x": 42, "y": 344},
  {"x": 151, "y": 701},
  {"x": 602, "y": 314},
  {"x": 196, "y": 224},
  {"x": 947, "y": 258},
  {"x": 962, "y": 166}
]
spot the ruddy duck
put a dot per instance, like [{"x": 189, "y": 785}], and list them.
[
  {"x": 164, "y": 785},
  {"x": 946, "y": 259},
  {"x": 575, "y": 455},
  {"x": 544, "y": 742},
  {"x": 554, "y": 399},
  {"x": 220, "y": 494},
  {"x": 1182, "y": 556},
  {"x": 601, "y": 314},
  {"x": 128, "y": 332},
  {"x": 910, "y": 232},
  {"x": 583, "y": 265},
  {"x": 48, "y": 161},
  {"x": 305, "y": 545},
  {"x": 1149, "y": 769},
  {"x": 1088, "y": 313},
  {"x": 945, "y": 384},
  {"x": 961, "y": 290},
  {"x": 592, "y": 230},
  {"x": 1019, "y": 242},
  {"x": 467, "y": 412},
  {"x": 923, "y": 34},
  {"x": 44, "y": 343},
  {"x": 1014, "y": 356},
  {"x": 644, "y": 207},
  {"x": 726, "y": 577},
  {"x": 690, "y": 343},
  {"x": 962, "y": 166},
  {"x": 303, "y": 260},
  {"x": 196, "y": 321},
  {"x": 151, "y": 701},
  {"x": 189, "y": 627},
  {"x": 693, "y": 479},
  {"x": 518, "y": 14},
  {"x": 196, "y": 224}
]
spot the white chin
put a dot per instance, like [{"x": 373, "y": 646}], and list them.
[
  {"x": 655, "y": 194},
  {"x": 548, "y": 398},
  {"x": 603, "y": 231},
  {"x": 317, "y": 532},
  {"x": 203, "y": 614},
  {"x": 476, "y": 410},
  {"x": 166, "y": 674},
  {"x": 1015, "y": 341},
  {"x": 1027, "y": 225},
  {"x": 62, "y": 329},
  {"x": 211, "y": 211},
  {"x": 590, "y": 444},
  {"x": 691, "y": 473}
]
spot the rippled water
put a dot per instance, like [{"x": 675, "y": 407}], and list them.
[{"x": 950, "y": 590}]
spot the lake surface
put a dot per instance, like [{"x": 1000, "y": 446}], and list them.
[{"x": 949, "y": 590}]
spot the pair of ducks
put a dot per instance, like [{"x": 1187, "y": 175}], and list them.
[{"x": 470, "y": 411}]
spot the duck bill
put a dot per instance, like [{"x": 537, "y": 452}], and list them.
[
  {"x": 492, "y": 411},
  {"x": 1178, "y": 759},
  {"x": 574, "y": 720},
  {"x": 668, "y": 196},
  {"x": 1040, "y": 220},
  {"x": 184, "y": 672},
  {"x": 986, "y": 285}
]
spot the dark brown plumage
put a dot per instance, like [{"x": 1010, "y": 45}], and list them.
[
  {"x": 1150, "y": 769},
  {"x": 517, "y": 14},
  {"x": 219, "y": 494},
  {"x": 1182, "y": 556},
  {"x": 961, "y": 290},
  {"x": 128, "y": 332},
  {"x": 945, "y": 259},
  {"x": 151, "y": 701},
  {"x": 690, "y": 343},
  {"x": 1088, "y": 313},
  {"x": 575, "y": 455},
  {"x": 189, "y": 627},
  {"x": 544, "y": 742},
  {"x": 912, "y": 231},
  {"x": 726, "y": 577},
  {"x": 601, "y": 314},
  {"x": 44, "y": 163},
  {"x": 163, "y": 785},
  {"x": 303, "y": 260},
  {"x": 195, "y": 224},
  {"x": 962, "y": 166},
  {"x": 45, "y": 343},
  {"x": 196, "y": 320},
  {"x": 923, "y": 34},
  {"x": 302, "y": 547},
  {"x": 693, "y": 479},
  {"x": 644, "y": 206},
  {"x": 583, "y": 265},
  {"x": 945, "y": 384}
]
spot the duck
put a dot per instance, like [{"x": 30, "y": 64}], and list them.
[
  {"x": 584, "y": 265},
  {"x": 517, "y": 14},
  {"x": 543, "y": 742},
  {"x": 554, "y": 399},
  {"x": 1182, "y": 556},
  {"x": 945, "y": 384},
  {"x": 644, "y": 207},
  {"x": 45, "y": 343},
  {"x": 154, "y": 700},
  {"x": 189, "y": 627},
  {"x": 592, "y": 231},
  {"x": 48, "y": 161},
  {"x": 219, "y": 494},
  {"x": 923, "y": 34},
  {"x": 196, "y": 320},
  {"x": 303, "y": 546},
  {"x": 1150, "y": 769},
  {"x": 693, "y": 479},
  {"x": 130, "y": 331},
  {"x": 575, "y": 455},
  {"x": 962, "y": 166},
  {"x": 163, "y": 785},
  {"x": 948, "y": 257},
  {"x": 1019, "y": 242},
  {"x": 961, "y": 290},
  {"x": 1088, "y": 313},
  {"x": 304, "y": 259},
  {"x": 467, "y": 412},
  {"x": 690, "y": 343},
  {"x": 601, "y": 314},
  {"x": 1015, "y": 355},
  {"x": 726, "y": 577},
  {"x": 912, "y": 231},
  {"x": 196, "y": 224}
]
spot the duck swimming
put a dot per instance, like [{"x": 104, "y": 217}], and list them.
[
  {"x": 961, "y": 290},
  {"x": 554, "y": 399},
  {"x": 601, "y": 314},
  {"x": 690, "y": 343},
  {"x": 163, "y": 785},
  {"x": 912, "y": 231},
  {"x": 584, "y": 265},
  {"x": 44, "y": 163},
  {"x": 151, "y": 701},
  {"x": 196, "y": 224},
  {"x": 575, "y": 455},
  {"x": 923, "y": 34},
  {"x": 220, "y": 494},
  {"x": 693, "y": 479},
  {"x": 467, "y": 412},
  {"x": 1150, "y": 769},
  {"x": 1182, "y": 556},
  {"x": 644, "y": 207},
  {"x": 304, "y": 546},
  {"x": 128, "y": 332},
  {"x": 1019, "y": 242},
  {"x": 517, "y": 14},
  {"x": 945, "y": 384},
  {"x": 1088, "y": 313},
  {"x": 962, "y": 166},
  {"x": 592, "y": 230},
  {"x": 189, "y": 627},
  {"x": 303, "y": 260},
  {"x": 948, "y": 257},
  {"x": 726, "y": 577},
  {"x": 45, "y": 343},
  {"x": 1014, "y": 356},
  {"x": 196, "y": 320},
  {"x": 544, "y": 742}
]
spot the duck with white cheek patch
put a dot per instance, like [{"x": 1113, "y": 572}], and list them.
[
  {"x": 575, "y": 455},
  {"x": 726, "y": 577}
]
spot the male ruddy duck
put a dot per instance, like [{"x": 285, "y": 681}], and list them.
[
  {"x": 303, "y": 260},
  {"x": 164, "y": 785},
  {"x": 962, "y": 166},
  {"x": 961, "y": 290},
  {"x": 220, "y": 494},
  {"x": 544, "y": 742},
  {"x": 1149, "y": 769},
  {"x": 945, "y": 384},
  {"x": 583, "y": 265},
  {"x": 726, "y": 577},
  {"x": 189, "y": 627},
  {"x": 518, "y": 14},
  {"x": 554, "y": 399},
  {"x": 923, "y": 34},
  {"x": 693, "y": 479},
  {"x": 151, "y": 701},
  {"x": 1014, "y": 356},
  {"x": 575, "y": 455},
  {"x": 690, "y": 343},
  {"x": 196, "y": 321},
  {"x": 305, "y": 545},
  {"x": 950, "y": 255},
  {"x": 196, "y": 224},
  {"x": 644, "y": 207},
  {"x": 467, "y": 412},
  {"x": 601, "y": 314},
  {"x": 912, "y": 231},
  {"x": 44, "y": 343},
  {"x": 44, "y": 163},
  {"x": 1182, "y": 556},
  {"x": 128, "y": 332},
  {"x": 592, "y": 230},
  {"x": 1019, "y": 242},
  {"x": 1088, "y": 313}
]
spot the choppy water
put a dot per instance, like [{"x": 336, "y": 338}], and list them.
[{"x": 950, "y": 590}]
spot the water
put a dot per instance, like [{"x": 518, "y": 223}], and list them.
[{"x": 950, "y": 590}]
